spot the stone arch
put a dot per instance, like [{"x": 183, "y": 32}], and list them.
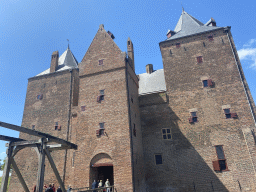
[{"x": 101, "y": 167}]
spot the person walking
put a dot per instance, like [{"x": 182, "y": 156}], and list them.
[{"x": 107, "y": 184}]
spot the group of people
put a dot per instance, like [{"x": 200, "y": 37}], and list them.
[
  {"x": 50, "y": 188},
  {"x": 99, "y": 184}
]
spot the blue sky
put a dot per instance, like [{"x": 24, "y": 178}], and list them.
[{"x": 31, "y": 30}]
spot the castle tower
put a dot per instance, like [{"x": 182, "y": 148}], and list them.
[
  {"x": 50, "y": 97},
  {"x": 211, "y": 111},
  {"x": 106, "y": 124}
]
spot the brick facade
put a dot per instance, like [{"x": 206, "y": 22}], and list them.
[{"x": 134, "y": 123}]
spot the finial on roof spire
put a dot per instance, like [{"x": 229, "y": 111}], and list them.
[
  {"x": 182, "y": 8},
  {"x": 68, "y": 43}
]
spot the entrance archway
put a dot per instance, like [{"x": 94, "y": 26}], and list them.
[{"x": 101, "y": 168}]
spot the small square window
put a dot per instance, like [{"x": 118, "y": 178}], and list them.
[
  {"x": 178, "y": 45},
  {"x": 193, "y": 117},
  {"x": 83, "y": 108},
  {"x": 205, "y": 82},
  {"x": 208, "y": 83},
  {"x": 199, "y": 59},
  {"x": 102, "y": 125},
  {"x": 166, "y": 132},
  {"x": 39, "y": 97},
  {"x": 102, "y": 92},
  {"x": 227, "y": 113},
  {"x": 158, "y": 159},
  {"x": 101, "y": 62},
  {"x": 33, "y": 127},
  {"x": 57, "y": 126},
  {"x": 220, "y": 164},
  {"x": 210, "y": 38}
]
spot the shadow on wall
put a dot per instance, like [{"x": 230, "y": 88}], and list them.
[{"x": 182, "y": 168}]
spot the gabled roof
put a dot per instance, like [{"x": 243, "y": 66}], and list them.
[
  {"x": 152, "y": 83},
  {"x": 66, "y": 61},
  {"x": 188, "y": 25}
]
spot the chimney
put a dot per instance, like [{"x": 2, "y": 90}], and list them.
[
  {"x": 149, "y": 68},
  {"x": 54, "y": 61},
  {"x": 169, "y": 33},
  {"x": 211, "y": 22}
]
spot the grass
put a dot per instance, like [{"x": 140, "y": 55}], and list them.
[{"x": 8, "y": 182}]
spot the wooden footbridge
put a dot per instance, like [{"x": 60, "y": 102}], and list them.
[{"x": 42, "y": 147}]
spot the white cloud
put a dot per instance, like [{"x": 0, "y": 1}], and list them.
[{"x": 248, "y": 53}]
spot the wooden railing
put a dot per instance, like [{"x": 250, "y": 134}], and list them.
[{"x": 102, "y": 189}]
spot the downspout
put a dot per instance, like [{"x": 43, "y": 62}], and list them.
[
  {"x": 240, "y": 73},
  {"x": 130, "y": 124},
  {"x": 68, "y": 124}
]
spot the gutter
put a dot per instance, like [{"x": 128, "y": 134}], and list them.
[
  {"x": 68, "y": 124},
  {"x": 191, "y": 35}
]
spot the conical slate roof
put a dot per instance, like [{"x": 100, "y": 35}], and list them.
[
  {"x": 188, "y": 25},
  {"x": 66, "y": 61}
]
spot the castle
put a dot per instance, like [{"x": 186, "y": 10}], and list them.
[{"x": 187, "y": 127}]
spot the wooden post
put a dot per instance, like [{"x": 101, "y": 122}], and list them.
[
  {"x": 16, "y": 169},
  {"x": 55, "y": 170},
  {"x": 7, "y": 167},
  {"x": 41, "y": 167}
]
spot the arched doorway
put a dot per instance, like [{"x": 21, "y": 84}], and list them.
[{"x": 101, "y": 168}]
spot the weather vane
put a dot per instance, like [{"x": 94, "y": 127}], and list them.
[
  {"x": 182, "y": 7},
  {"x": 68, "y": 43}
]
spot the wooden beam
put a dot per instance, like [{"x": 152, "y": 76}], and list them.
[
  {"x": 38, "y": 134},
  {"x": 55, "y": 170},
  {"x": 41, "y": 167},
  {"x": 16, "y": 169},
  {"x": 56, "y": 147},
  {"x": 7, "y": 138},
  {"x": 6, "y": 171},
  {"x": 26, "y": 142}
]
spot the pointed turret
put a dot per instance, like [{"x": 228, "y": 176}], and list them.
[
  {"x": 188, "y": 25},
  {"x": 130, "y": 52},
  {"x": 66, "y": 61}
]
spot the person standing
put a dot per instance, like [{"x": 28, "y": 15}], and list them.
[
  {"x": 100, "y": 184},
  {"x": 53, "y": 188},
  {"x": 94, "y": 184},
  {"x": 49, "y": 189},
  {"x": 69, "y": 188},
  {"x": 107, "y": 184},
  {"x": 59, "y": 189}
]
